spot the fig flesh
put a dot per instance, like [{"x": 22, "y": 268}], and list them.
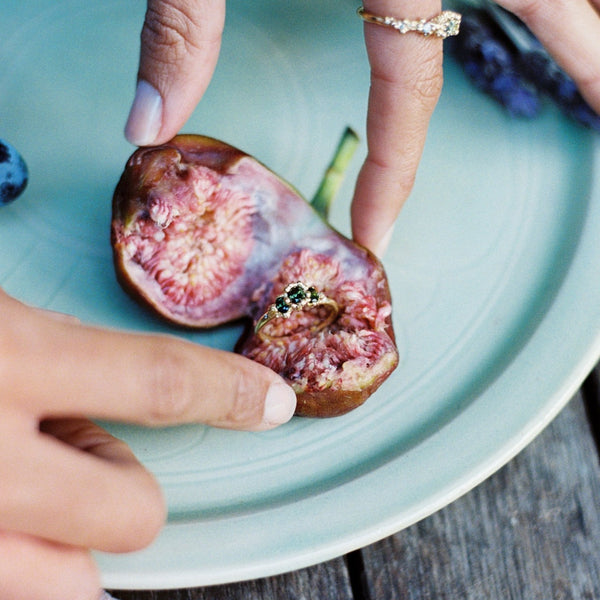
[{"x": 205, "y": 234}]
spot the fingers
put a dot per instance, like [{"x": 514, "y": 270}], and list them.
[
  {"x": 570, "y": 30},
  {"x": 61, "y": 572},
  {"x": 180, "y": 44},
  {"x": 406, "y": 80},
  {"x": 82, "y": 488},
  {"x": 146, "y": 379}
]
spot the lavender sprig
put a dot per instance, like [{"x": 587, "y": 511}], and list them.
[
  {"x": 489, "y": 62},
  {"x": 503, "y": 57},
  {"x": 541, "y": 69}
]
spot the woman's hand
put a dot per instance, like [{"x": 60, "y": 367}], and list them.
[{"x": 67, "y": 485}]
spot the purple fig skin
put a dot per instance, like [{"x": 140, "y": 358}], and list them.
[{"x": 204, "y": 234}]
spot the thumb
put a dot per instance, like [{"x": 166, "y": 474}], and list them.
[{"x": 180, "y": 44}]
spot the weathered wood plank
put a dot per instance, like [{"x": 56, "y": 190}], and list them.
[
  {"x": 326, "y": 581},
  {"x": 530, "y": 531}
]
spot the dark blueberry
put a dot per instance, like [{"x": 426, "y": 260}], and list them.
[
  {"x": 13, "y": 173},
  {"x": 4, "y": 152}
]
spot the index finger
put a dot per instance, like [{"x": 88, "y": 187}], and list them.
[
  {"x": 55, "y": 368},
  {"x": 406, "y": 80}
]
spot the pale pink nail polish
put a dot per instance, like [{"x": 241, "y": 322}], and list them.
[
  {"x": 280, "y": 403},
  {"x": 381, "y": 247},
  {"x": 145, "y": 118}
]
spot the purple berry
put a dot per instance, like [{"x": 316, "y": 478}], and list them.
[
  {"x": 13, "y": 173},
  {"x": 490, "y": 63}
]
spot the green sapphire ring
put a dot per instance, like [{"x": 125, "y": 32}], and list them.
[
  {"x": 444, "y": 25},
  {"x": 297, "y": 296}
]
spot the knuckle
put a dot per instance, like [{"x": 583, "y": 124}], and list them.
[
  {"x": 168, "y": 384},
  {"x": 429, "y": 82},
  {"x": 245, "y": 406},
  {"x": 168, "y": 32}
]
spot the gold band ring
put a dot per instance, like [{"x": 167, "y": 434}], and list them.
[
  {"x": 444, "y": 25},
  {"x": 297, "y": 296}
]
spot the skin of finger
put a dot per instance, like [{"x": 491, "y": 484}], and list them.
[
  {"x": 35, "y": 569},
  {"x": 570, "y": 30},
  {"x": 180, "y": 45},
  {"x": 406, "y": 80},
  {"x": 152, "y": 380},
  {"x": 84, "y": 488}
]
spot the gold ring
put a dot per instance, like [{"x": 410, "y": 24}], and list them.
[
  {"x": 444, "y": 25},
  {"x": 297, "y": 296}
]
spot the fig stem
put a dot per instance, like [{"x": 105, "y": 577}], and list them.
[{"x": 334, "y": 175}]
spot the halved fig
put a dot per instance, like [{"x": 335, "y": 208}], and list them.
[{"x": 204, "y": 234}]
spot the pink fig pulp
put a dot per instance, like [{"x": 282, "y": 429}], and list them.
[{"x": 204, "y": 234}]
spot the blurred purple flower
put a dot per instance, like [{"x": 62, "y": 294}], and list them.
[
  {"x": 515, "y": 69},
  {"x": 489, "y": 64}
]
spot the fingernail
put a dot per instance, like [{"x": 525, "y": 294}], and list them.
[
  {"x": 381, "y": 247},
  {"x": 145, "y": 118},
  {"x": 280, "y": 404}
]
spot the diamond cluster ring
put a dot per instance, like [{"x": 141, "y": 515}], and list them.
[
  {"x": 297, "y": 296},
  {"x": 444, "y": 25}
]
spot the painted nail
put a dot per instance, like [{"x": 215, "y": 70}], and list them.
[
  {"x": 280, "y": 404},
  {"x": 381, "y": 247},
  {"x": 145, "y": 118}
]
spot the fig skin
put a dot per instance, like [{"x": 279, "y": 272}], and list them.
[{"x": 204, "y": 234}]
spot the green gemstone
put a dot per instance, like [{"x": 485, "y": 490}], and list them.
[
  {"x": 296, "y": 294},
  {"x": 313, "y": 294},
  {"x": 281, "y": 305}
]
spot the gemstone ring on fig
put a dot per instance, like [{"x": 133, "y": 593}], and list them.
[
  {"x": 444, "y": 25},
  {"x": 296, "y": 297}
]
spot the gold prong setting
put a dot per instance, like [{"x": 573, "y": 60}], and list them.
[
  {"x": 444, "y": 25},
  {"x": 296, "y": 296}
]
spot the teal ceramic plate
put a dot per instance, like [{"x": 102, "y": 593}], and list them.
[{"x": 494, "y": 272}]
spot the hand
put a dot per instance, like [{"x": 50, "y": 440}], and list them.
[{"x": 66, "y": 484}]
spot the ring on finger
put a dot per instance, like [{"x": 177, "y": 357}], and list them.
[{"x": 444, "y": 25}]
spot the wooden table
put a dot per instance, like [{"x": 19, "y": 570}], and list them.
[{"x": 530, "y": 532}]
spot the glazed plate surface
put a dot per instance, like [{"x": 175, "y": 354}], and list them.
[{"x": 494, "y": 272}]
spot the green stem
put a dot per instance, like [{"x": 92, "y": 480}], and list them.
[{"x": 334, "y": 175}]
